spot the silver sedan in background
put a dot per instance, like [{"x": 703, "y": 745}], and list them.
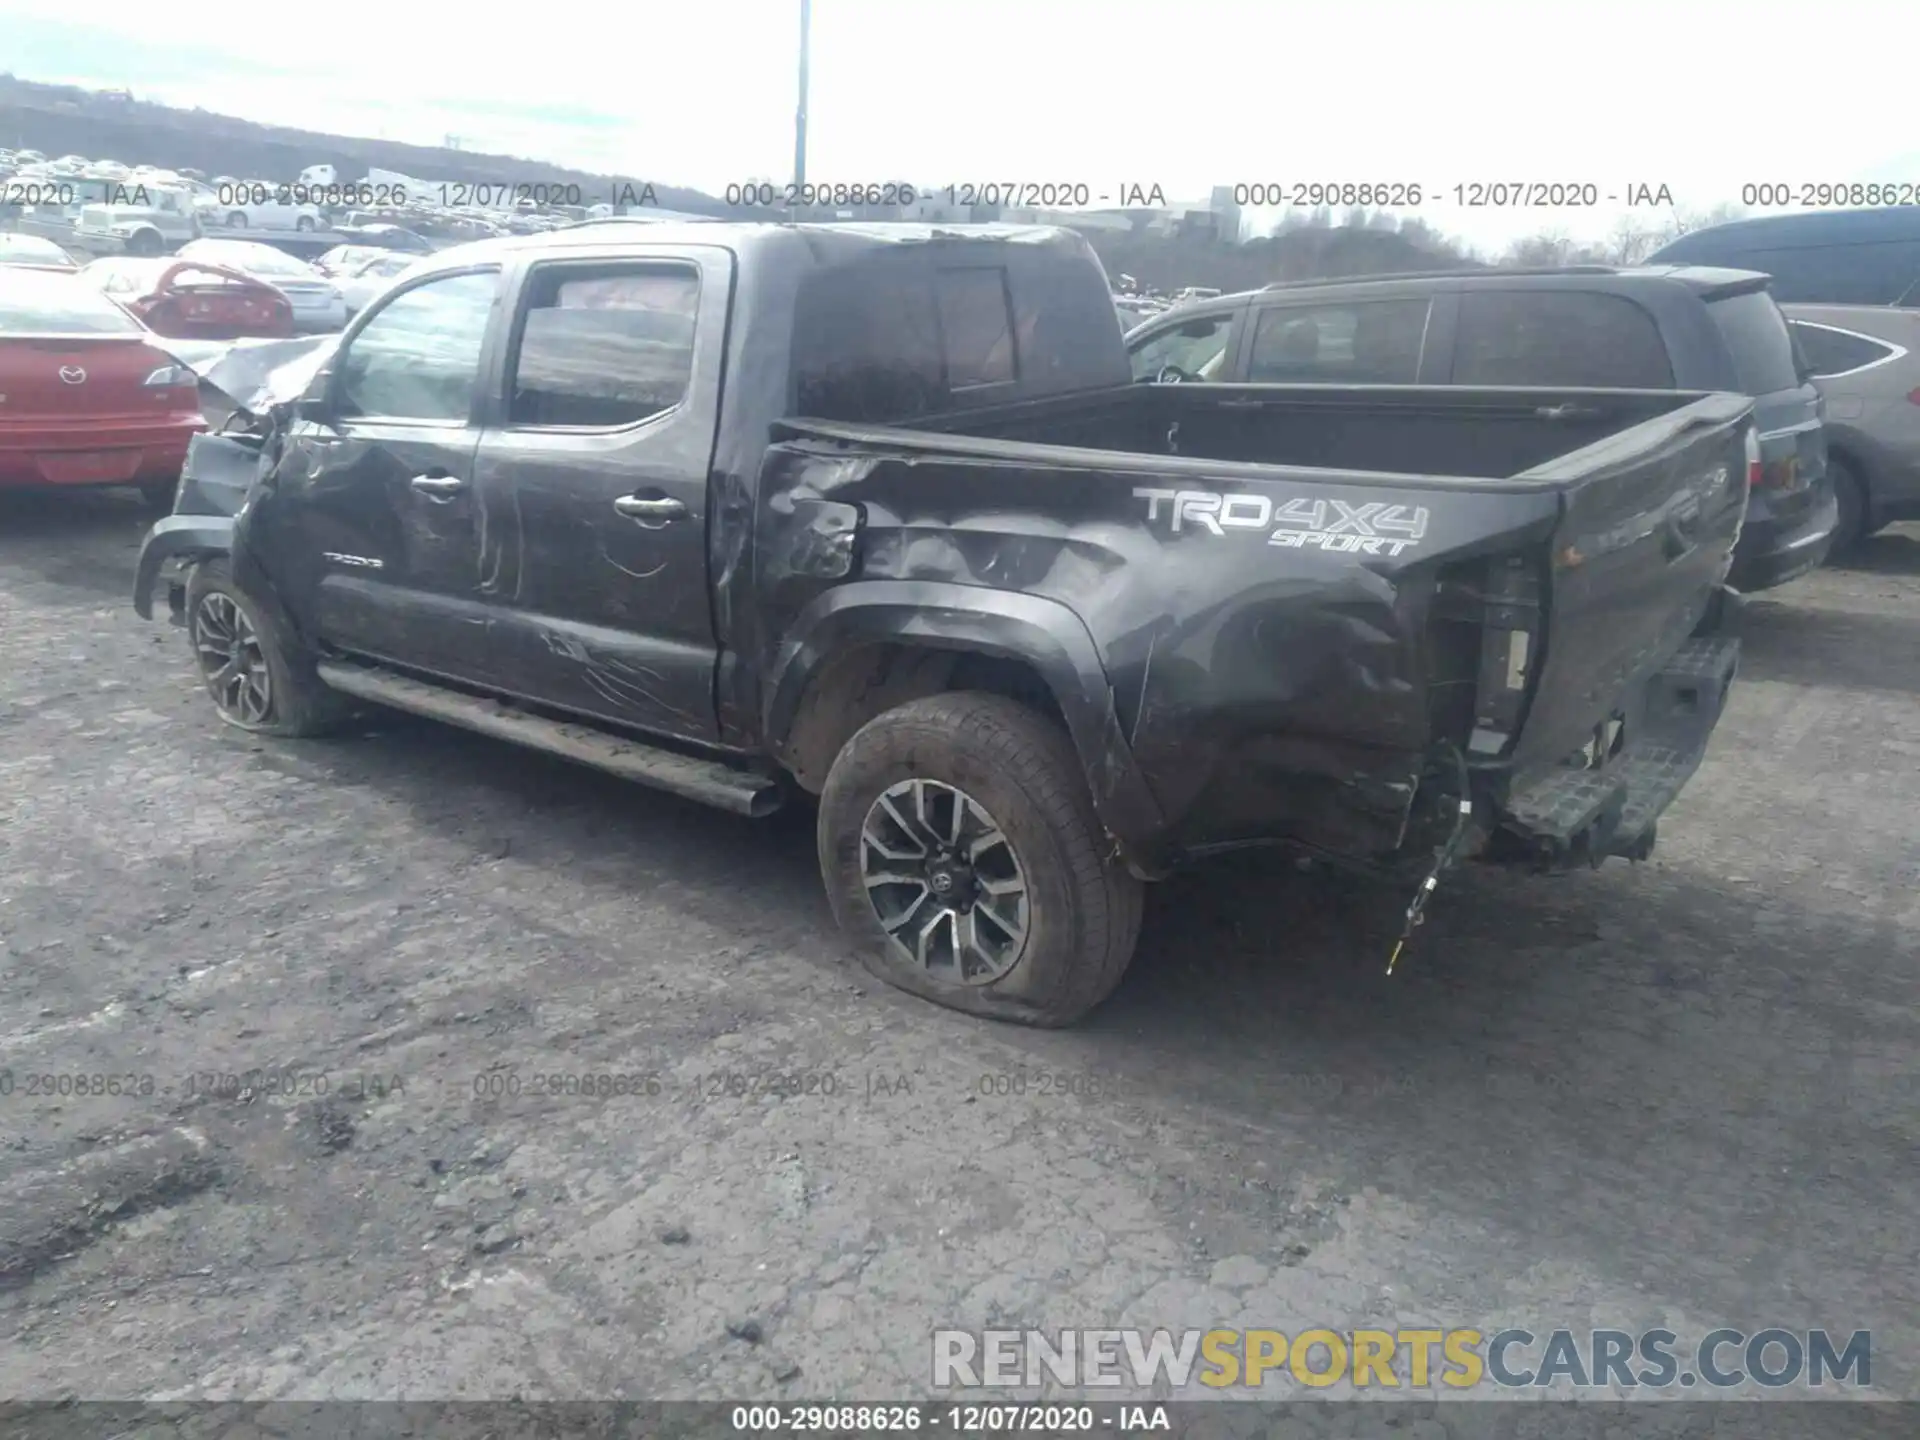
[{"x": 1865, "y": 360}]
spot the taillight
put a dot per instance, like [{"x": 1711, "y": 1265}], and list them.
[{"x": 1753, "y": 457}]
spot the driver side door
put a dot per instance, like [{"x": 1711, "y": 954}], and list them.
[{"x": 1201, "y": 345}]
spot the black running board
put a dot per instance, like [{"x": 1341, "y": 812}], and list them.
[{"x": 707, "y": 781}]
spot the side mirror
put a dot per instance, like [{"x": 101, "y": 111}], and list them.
[{"x": 314, "y": 402}]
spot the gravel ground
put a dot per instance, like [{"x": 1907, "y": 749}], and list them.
[{"x": 1682, "y": 1093}]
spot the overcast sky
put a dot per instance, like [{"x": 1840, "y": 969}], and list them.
[{"x": 1700, "y": 97}]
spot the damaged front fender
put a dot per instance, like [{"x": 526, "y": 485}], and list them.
[{"x": 178, "y": 537}]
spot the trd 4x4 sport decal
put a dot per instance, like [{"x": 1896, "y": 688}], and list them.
[{"x": 1302, "y": 523}]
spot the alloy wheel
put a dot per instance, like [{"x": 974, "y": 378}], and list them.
[
  {"x": 231, "y": 660},
  {"x": 944, "y": 882}
]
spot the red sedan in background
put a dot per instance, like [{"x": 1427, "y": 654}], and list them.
[
  {"x": 193, "y": 300},
  {"x": 86, "y": 398}
]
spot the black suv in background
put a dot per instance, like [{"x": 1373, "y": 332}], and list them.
[{"x": 1650, "y": 328}]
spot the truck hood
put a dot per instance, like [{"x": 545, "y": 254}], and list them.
[{"x": 255, "y": 375}]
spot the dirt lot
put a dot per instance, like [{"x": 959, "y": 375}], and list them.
[{"x": 1680, "y": 1094}]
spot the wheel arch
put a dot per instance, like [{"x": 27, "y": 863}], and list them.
[
  {"x": 859, "y": 651},
  {"x": 1861, "y": 465}
]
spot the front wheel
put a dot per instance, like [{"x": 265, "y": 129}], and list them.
[
  {"x": 962, "y": 855},
  {"x": 259, "y": 677},
  {"x": 304, "y": 222}
]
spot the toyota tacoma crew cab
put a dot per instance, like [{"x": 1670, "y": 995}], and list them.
[{"x": 874, "y": 514}]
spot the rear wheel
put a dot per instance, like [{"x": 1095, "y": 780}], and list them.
[
  {"x": 961, "y": 854},
  {"x": 304, "y": 222},
  {"x": 259, "y": 677},
  {"x": 145, "y": 243},
  {"x": 1852, "y": 526},
  {"x": 158, "y": 494},
  {"x": 237, "y": 219}
]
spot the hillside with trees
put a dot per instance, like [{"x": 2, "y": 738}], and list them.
[{"x": 1307, "y": 245}]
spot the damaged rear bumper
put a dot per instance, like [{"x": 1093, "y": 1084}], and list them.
[{"x": 1607, "y": 800}]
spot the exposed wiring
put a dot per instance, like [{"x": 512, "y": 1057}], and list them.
[{"x": 1443, "y": 856}]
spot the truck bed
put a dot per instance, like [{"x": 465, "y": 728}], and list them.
[
  {"x": 1300, "y": 593},
  {"x": 1388, "y": 429}
]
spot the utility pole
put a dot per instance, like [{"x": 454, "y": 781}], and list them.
[{"x": 800, "y": 116}]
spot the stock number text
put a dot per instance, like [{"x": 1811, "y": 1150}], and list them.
[{"x": 1817, "y": 194}]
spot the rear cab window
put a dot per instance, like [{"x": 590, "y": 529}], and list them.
[
  {"x": 892, "y": 341},
  {"x": 1764, "y": 359},
  {"x": 1559, "y": 338}
]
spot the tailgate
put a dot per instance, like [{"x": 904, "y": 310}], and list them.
[{"x": 1649, "y": 520}]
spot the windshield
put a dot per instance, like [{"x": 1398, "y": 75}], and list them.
[
  {"x": 34, "y": 302},
  {"x": 1756, "y": 333}
]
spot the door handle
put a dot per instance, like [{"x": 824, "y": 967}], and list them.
[
  {"x": 441, "y": 488},
  {"x": 636, "y": 507},
  {"x": 1675, "y": 541}
]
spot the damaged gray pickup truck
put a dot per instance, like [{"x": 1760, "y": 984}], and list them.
[{"x": 873, "y": 513}]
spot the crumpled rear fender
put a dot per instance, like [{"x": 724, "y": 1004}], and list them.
[{"x": 1010, "y": 625}]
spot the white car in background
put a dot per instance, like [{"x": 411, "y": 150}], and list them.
[
  {"x": 256, "y": 205},
  {"x": 361, "y": 282},
  {"x": 343, "y": 260},
  {"x": 317, "y": 301}
]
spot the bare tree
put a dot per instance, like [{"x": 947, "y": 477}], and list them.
[
  {"x": 1536, "y": 252},
  {"x": 1685, "y": 219},
  {"x": 1631, "y": 242}
]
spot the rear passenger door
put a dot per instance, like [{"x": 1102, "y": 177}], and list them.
[
  {"x": 591, "y": 480},
  {"x": 1350, "y": 342}
]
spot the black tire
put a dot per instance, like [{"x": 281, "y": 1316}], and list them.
[
  {"x": 158, "y": 494},
  {"x": 303, "y": 222},
  {"x": 1081, "y": 906},
  {"x": 297, "y": 702},
  {"x": 144, "y": 243},
  {"x": 1855, "y": 518},
  {"x": 237, "y": 220}
]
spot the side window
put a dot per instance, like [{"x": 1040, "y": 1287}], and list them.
[
  {"x": 419, "y": 357},
  {"x": 1836, "y": 352},
  {"x": 1195, "y": 349},
  {"x": 604, "y": 346},
  {"x": 1374, "y": 342},
  {"x": 1520, "y": 337},
  {"x": 1878, "y": 273}
]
